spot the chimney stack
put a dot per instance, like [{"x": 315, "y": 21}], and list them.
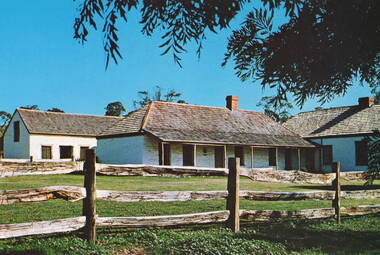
[
  {"x": 366, "y": 101},
  {"x": 232, "y": 103}
]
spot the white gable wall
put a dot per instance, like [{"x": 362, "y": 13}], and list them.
[
  {"x": 121, "y": 150},
  {"x": 18, "y": 149},
  {"x": 37, "y": 141},
  {"x": 343, "y": 151}
]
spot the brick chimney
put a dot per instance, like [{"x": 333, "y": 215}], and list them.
[
  {"x": 232, "y": 103},
  {"x": 366, "y": 101}
]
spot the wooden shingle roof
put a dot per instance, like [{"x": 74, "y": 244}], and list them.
[
  {"x": 52, "y": 123},
  {"x": 202, "y": 124},
  {"x": 338, "y": 121}
]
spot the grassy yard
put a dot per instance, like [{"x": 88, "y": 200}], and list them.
[{"x": 357, "y": 235}]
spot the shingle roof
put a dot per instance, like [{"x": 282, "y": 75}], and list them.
[
  {"x": 193, "y": 123},
  {"x": 131, "y": 123},
  {"x": 336, "y": 121},
  {"x": 42, "y": 122}
]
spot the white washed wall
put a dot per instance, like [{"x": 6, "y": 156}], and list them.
[
  {"x": 176, "y": 154},
  {"x": 205, "y": 156},
  {"x": 36, "y": 141},
  {"x": 260, "y": 158},
  {"x": 121, "y": 150},
  {"x": 151, "y": 155},
  {"x": 16, "y": 149},
  {"x": 343, "y": 151}
]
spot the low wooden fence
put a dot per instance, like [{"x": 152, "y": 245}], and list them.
[{"x": 231, "y": 216}]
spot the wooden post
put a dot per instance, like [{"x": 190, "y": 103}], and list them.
[
  {"x": 233, "y": 201},
  {"x": 336, "y": 186},
  {"x": 195, "y": 155},
  {"x": 251, "y": 156},
  {"x": 31, "y": 158},
  {"x": 89, "y": 206}
]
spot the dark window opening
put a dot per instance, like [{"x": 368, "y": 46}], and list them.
[
  {"x": 219, "y": 157},
  {"x": 272, "y": 157},
  {"x": 288, "y": 159},
  {"x": 46, "y": 152},
  {"x": 188, "y": 154},
  {"x": 239, "y": 153},
  {"x": 327, "y": 154},
  {"x": 82, "y": 154},
  {"x": 361, "y": 153},
  {"x": 66, "y": 152},
  {"x": 16, "y": 131}
]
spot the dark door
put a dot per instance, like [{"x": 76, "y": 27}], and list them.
[
  {"x": 167, "y": 154},
  {"x": 188, "y": 154},
  {"x": 288, "y": 159},
  {"x": 219, "y": 157}
]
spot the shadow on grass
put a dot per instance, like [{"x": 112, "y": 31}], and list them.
[
  {"x": 343, "y": 187},
  {"x": 309, "y": 235}
]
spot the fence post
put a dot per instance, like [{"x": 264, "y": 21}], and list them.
[
  {"x": 89, "y": 206},
  {"x": 31, "y": 158},
  {"x": 336, "y": 186},
  {"x": 233, "y": 200}
]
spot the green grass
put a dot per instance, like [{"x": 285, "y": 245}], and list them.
[
  {"x": 355, "y": 235},
  {"x": 156, "y": 183}
]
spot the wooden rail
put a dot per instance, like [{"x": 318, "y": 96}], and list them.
[
  {"x": 232, "y": 215},
  {"x": 73, "y": 193},
  {"x": 72, "y": 224}
]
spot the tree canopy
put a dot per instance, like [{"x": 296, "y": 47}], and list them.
[
  {"x": 278, "y": 112},
  {"x": 54, "y": 109},
  {"x": 158, "y": 94},
  {"x": 319, "y": 52},
  {"x": 114, "y": 109}
]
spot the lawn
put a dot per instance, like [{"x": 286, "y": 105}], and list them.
[{"x": 315, "y": 237}]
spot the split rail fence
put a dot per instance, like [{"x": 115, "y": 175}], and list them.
[{"x": 232, "y": 215}]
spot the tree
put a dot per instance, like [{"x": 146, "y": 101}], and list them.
[
  {"x": 373, "y": 157},
  {"x": 145, "y": 97},
  {"x": 30, "y": 107},
  {"x": 54, "y": 109},
  {"x": 278, "y": 112},
  {"x": 5, "y": 117},
  {"x": 114, "y": 109},
  {"x": 318, "y": 52},
  {"x": 377, "y": 96}
]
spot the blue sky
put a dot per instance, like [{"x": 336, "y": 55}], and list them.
[{"x": 40, "y": 63}]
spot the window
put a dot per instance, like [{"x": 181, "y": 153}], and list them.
[
  {"x": 66, "y": 152},
  {"x": 16, "y": 131},
  {"x": 361, "y": 153},
  {"x": 46, "y": 152},
  {"x": 272, "y": 157},
  {"x": 327, "y": 154},
  {"x": 188, "y": 154},
  {"x": 83, "y": 151},
  {"x": 239, "y": 153}
]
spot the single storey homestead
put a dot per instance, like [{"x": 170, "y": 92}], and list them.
[
  {"x": 339, "y": 133},
  {"x": 163, "y": 133}
]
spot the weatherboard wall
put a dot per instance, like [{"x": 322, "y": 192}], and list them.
[
  {"x": 343, "y": 150},
  {"x": 20, "y": 149}
]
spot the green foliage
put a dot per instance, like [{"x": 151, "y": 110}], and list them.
[
  {"x": 319, "y": 52},
  {"x": 54, "y": 109},
  {"x": 4, "y": 120},
  {"x": 278, "y": 111},
  {"x": 373, "y": 157},
  {"x": 30, "y": 107},
  {"x": 114, "y": 109},
  {"x": 158, "y": 94}
]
